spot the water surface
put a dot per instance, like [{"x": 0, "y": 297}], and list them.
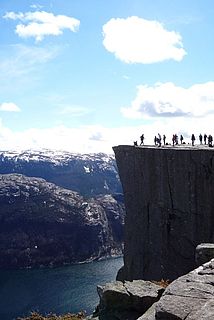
[{"x": 58, "y": 290}]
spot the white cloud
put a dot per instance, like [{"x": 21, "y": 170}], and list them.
[
  {"x": 74, "y": 111},
  {"x": 90, "y": 139},
  {"x": 36, "y": 6},
  {"x": 136, "y": 40},
  {"x": 169, "y": 100},
  {"x": 39, "y": 24},
  {"x": 9, "y": 106},
  {"x": 169, "y": 109},
  {"x": 85, "y": 139},
  {"x": 126, "y": 77},
  {"x": 22, "y": 60}
]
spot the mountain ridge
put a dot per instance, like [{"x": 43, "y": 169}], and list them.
[
  {"x": 42, "y": 224},
  {"x": 88, "y": 174}
]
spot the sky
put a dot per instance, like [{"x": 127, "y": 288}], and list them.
[{"x": 86, "y": 75}]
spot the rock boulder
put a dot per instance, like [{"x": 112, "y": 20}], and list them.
[{"x": 127, "y": 300}]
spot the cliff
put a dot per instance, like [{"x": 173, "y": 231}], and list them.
[
  {"x": 169, "y": 208},
  {"x": 42, "y": 224}
]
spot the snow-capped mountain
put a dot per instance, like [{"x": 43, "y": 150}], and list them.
[
  {"x": 75, "y": 213},
  {"x": 88, "y": 174}
]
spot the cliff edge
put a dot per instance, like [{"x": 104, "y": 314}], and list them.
[{"x": 169, "y": 208}]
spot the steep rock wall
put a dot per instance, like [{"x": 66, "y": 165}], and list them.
[
  {"x": 169, "y": 199},
  {"x": 42, "y": 224}
]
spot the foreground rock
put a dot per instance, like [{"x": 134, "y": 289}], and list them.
[
  {"x": 42, "y": 224},
  {"x": 190, "y": 297},
  {"x": 204, "y": 252},
  {"x": 126, "y": 300}
]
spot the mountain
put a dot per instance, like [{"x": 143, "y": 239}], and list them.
[
  {"x": 88, "y": 174},
  {"x": 42, "y": 224}
]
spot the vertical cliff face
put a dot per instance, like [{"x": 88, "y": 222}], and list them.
[{"x": 169, "y": 199}]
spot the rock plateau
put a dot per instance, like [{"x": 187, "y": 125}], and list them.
[{"x": 170, "y": 208}]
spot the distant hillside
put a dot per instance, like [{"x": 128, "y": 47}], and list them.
[
  {"x": 42, "y": 224},
  {"x": 90, "y": 174}
]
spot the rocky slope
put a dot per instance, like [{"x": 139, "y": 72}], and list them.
[
  {"x": 190, "y": 297},
  {"x": 42, "y": 224},
  {"x": 89, "y": 174},
  {"x": 169, "y": 203}
]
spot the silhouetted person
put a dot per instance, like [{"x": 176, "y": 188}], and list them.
[
  {"x": 205, "y": 138},
  {"x": 164, "y": 139},
  {"x": 155, "y": 140},
  {"x": 193, "y": 139},
  {"x": 210, "y": 140},
  {"x": 142, "y": 139},
  {"x": 181, "y": 139},
  {"x": 159, "y": 140},
  {"x": 173, "y": 140},
  {"x": 200, "y": 138}
]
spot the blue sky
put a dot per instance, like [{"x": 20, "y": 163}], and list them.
[{"x": 84, "y": 75}]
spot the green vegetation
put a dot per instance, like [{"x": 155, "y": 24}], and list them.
[{"x": 51, "y": 316}]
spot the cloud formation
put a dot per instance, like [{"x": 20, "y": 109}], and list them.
[
  {"x": 39, "y": 24},
  {"x": 23, "y": 66},
  {"x": 169, "y": 100},
  {"x": 36, "y": 6},
  {"x": 94, "y": 139},
  {"x": 73, "y": 110},
  {"x": 9, "y": 107},
  {"x": 136, "y": 40}
]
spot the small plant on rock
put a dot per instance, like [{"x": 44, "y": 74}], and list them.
[{"x": 51, "y": 316}]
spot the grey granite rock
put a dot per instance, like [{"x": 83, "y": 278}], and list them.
[
  {"x": 169, "y": 204},
  {"x": 190, "y": 297},
  {"x": 204, "y": 252},
  {"x": 113, "y": 295},
  {"x": 143, "y": 294},
  {"x": 204, "y": 313},
  {"x": 127, "y": 300},
  {"x": 176, "y": 307}
]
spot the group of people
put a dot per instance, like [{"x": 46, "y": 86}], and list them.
[{"x": 208, "y": 139}]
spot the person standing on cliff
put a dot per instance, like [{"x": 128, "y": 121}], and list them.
[
  {"x": 159, "y": 140},
  {"x": 173, "y": 140},
  {"x": 164, "y": 139},
  {"x": 200, "y": 138},
  {"x": 181, "y": 139},
  {"x": 205, "y": 138},
  {"x": 193, "y": 139},
  {"x": 210, "y": 140},
  {"x": 142, "y": 139}
]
